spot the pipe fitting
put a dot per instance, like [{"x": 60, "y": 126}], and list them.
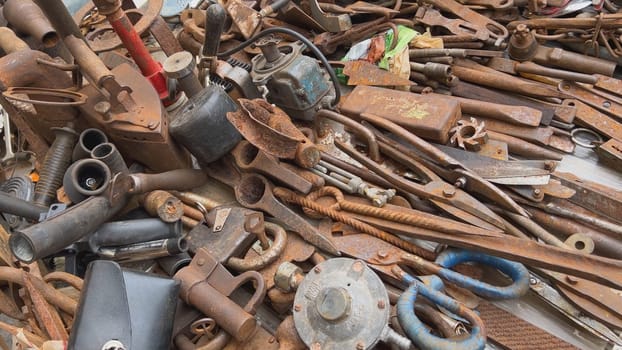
[
  {"x": 85, "y": 178},
  {"x": 27, "y": 18},
  {"x": 88, "y": 140},
  {"x": 109, "y": 154}
]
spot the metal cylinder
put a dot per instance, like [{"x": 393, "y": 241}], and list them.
[
  {"x": 59, "y": 16},
  {"x": 174, "y": 263},
  {"x": 56, "y": 162},
  {"x": 119, "y": 233},
  {"x": 85, "y": 178},
  {"x": 109, "y": 154},
  {"x": 56, "y": 233},
  {"x": 89, "y": 139},
  {"x": 163, "y": 205},
  {"x": 180, "y": 66},
  {"x": 27, "y": 18},
  {"x": 180, "y": 179},
  {"x": 145, "y": 250}
]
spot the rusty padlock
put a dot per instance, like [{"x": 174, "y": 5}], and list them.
[{"x": 207, "y": 285}]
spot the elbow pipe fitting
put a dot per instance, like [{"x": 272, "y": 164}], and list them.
[
  {"x": 110, "y": 155},
  {"x": 27, "y": 18},
  {"x": 88, "y": 140},
  {"x": 517, "y": 272},
  {"x": 417, "y": 331},
  {"x": 85, "y": 178},
  {"x": 120, "y": 233},
  {"x": 268, "y": 257},
  {"x": 54, "y": 234}
]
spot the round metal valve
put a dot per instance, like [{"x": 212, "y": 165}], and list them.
[{"x": 341, "y": 304}]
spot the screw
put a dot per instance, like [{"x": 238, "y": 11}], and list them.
[
  {"x": 381, "y": 304},
  {"x": 537, "y": 193},
  {"x": 360, "y": 346},
  {"x": 317, "y": 269},
  {"x": 297, "y": 307},
  {"x": 201, "y": 262},
  {"x": 533, "y": 281}
]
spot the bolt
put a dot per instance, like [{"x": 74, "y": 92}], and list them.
[
  {"x": 533, "y": 281},
  {"x": 91, "y": 183},
  {"x": 571, "y": 280},
  {"x": 382, "y": 253},
  {"x": 381, "y": 304},
  {"x": 317, "y": 269},
  {"x": 297, "y": 307},
  {"x": 201, "y": 262},
  {"x": 537, "y": 193},
  {"x": 460, "y": 182},
  {"x": 449, "y": 192},
  {"x": 360, "y": 345},
  {"x": 549, "y": 165}
]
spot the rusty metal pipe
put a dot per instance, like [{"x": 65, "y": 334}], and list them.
[
  {"x": 27, "y": 18},
  {"x": 163, "y": 205},
  {"x": 179, "y": 179},
  {"x": 9, "y": 42},
  {"x": 72, "y": 280},
  {"x": 372, "y": 144},
  {"x": 59, "y": 16}
]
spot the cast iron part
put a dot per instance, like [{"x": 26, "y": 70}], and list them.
[
  {"x": 180, "y": 66},
  {"x": 109, "y": 155},
  {"x": 85, "y": 178},
  {"x": 294, "y": 82},
  {"x": 163, "y": 205},
  {"x": 202, "y": 126},
  {"x": 27, "y": 18},
  {"x": 207, "y": 285},
  {"x": 89, "y": 139},
  {"x": 56, "y": 162},
  {"x": 343, "y": 304},
  {"x": 121, "y": 233}
]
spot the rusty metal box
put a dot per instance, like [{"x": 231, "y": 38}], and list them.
[{"x": 427, "y": 116}]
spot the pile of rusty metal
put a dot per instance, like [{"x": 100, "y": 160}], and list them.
[{"x": 240, "y": 174}]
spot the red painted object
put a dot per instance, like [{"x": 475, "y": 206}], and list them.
[{"x": 149, "y": 67}]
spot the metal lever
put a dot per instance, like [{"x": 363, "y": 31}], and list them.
[{"x": 215, "y": 18}]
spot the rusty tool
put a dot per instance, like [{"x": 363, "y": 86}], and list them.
[
  {"x": 592, "y": 118},
  {"x": 521, "y": 115},
  {"x": 602, "y": 101},
  {"x": 514, "y": 67},
  {"x": 449, "y": 168},
  {"x": 251, "y": 159},
  {"x": 523, "y": 148},
  {"x": 610, "y": 153},
  {"x": 255, "y": 192}
]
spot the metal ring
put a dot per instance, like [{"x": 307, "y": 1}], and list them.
[
  {"x": 76, "y": 98},
  {"x": 593, "y": 144}
]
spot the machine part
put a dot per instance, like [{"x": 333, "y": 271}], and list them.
[
  {"x": 428, "y": 116},
  {"x": 606, "y": 103},
  {"x": 432, "y": 17},
  {"x": 180, "y": 179},
  {"x": 42, "y": 96},
  {"x": 215, "y": 17},
  {"x": 109, "y": 155},
  {"x": 271, "y": 130},
  {"x": 255, "y": 192},
  {"x": 469, "y": 135},
  {"x": 523, "y": 148},
  {"x": 88, "y": 140},
  {"x": 288, "y": 277},
  {"x": 351, "y": 183},
  {"x": 150, "y": 68},
  {"x": 521, "y": 115},
  {"x": 250, "y": 158},
  {"x": 180, "y": 66},
  {"x": 53, "y": 235},
  {"x": 524, "y": 47},
  {"x": 122, "y": 233},
  {"x": 295, "y": 82},
  {"x": 540, "y": 135},
  {"x": 5, "y": 128},
  {"x": 27, "y": 18},
  {"x": 144, "y": 250},
  {"x": 202, "y": 126},
  {"x": 610, "y": 154},
  {"x": 361, "y": 72},
  {"x": 581, "y": 243},
  {"x": 267, "y": 257},
  {"x": 207, "y": 285},
  {"x": 352, "y": 125},
  {"x": 56, "y": 162},
  {"x": 332, "y": 23},
  {"x": 342, "y": 304},
  {"x": 20, "y": 187},
  {"x": 85, "y": 178},
  {"x": 163, "y": 205}
]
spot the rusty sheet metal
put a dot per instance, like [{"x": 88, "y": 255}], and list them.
[
  {"x": 514, "y": 333},
  {"x": 540, "y": 135},
  {"x": 594, "y": 196},
  {"x": 608, "y": 104},
  {"x": 610, "y": 153},
  {"x": 590, "y": 117},
  {"x": 244, "y": 17},
  {"x": 364, "y": 73},
  {"x": 427, "y": 116}
]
